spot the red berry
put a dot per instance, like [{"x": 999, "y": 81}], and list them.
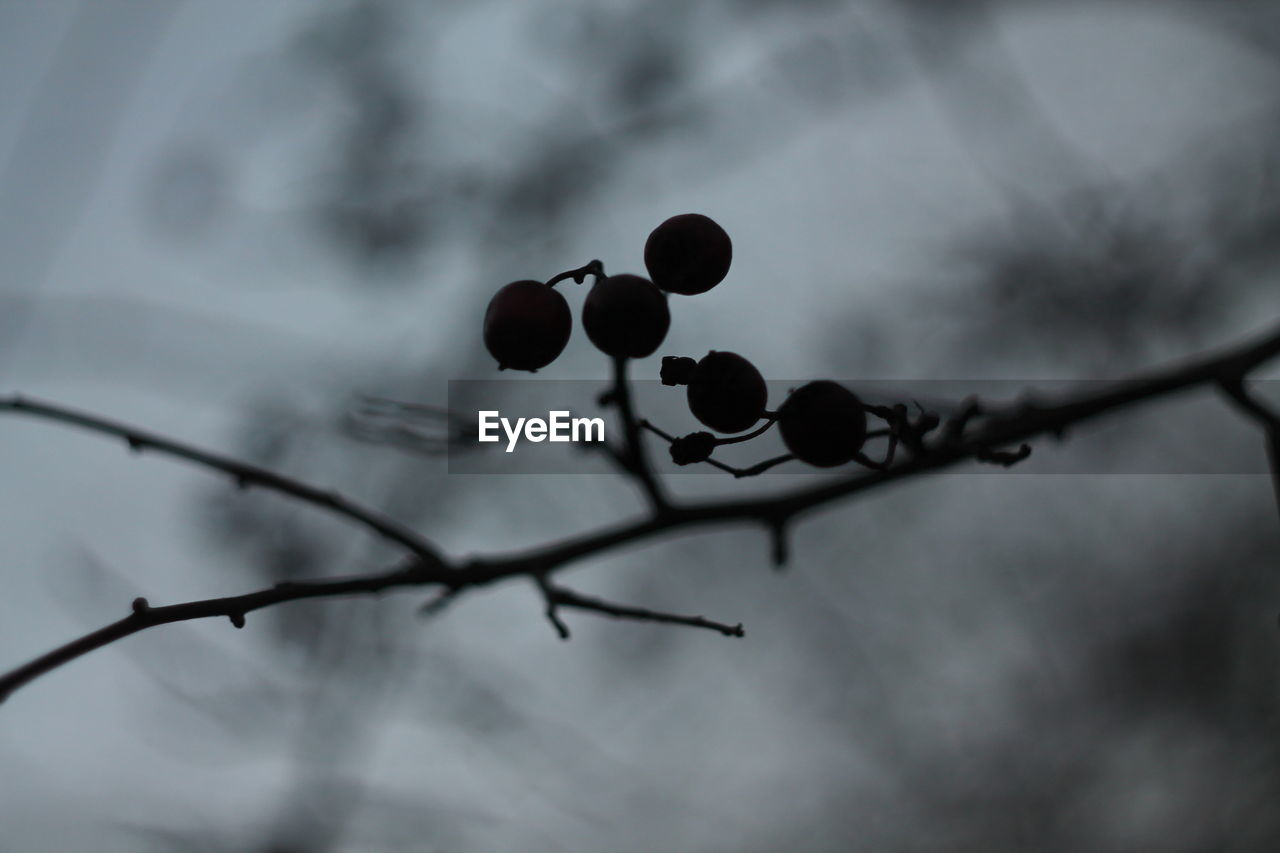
[
  {"x": 688, "y": 254},
  {"x": 626, "y": 316},
  {"x": 726, "y": 392},
  {"x": 823, "y": 423},
  {"x": 526, "y": 325}
]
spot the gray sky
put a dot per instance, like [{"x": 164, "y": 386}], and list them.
[{"x": 839, "y": 211}]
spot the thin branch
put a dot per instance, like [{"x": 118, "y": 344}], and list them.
[
  {"x": 552, "y": 606},
  {"x": 758, "y": 468},
  {"x": 245, "y": 475},
  {"x": 1027, "y": 423},
  {"x": 752, "y": 471},
  {"x": 412, "y": 574},
  {"x": 558, "y": 596},
  {"x": 773, "y": 512},
  {"x": 633, "y": 454}
]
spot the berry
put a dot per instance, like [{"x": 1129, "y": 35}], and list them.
[
  {"x": 688, "y": 254},
  {"x": 823, "y": 423},
  {"x": 626, "y": 316},
  {"x": 526, "y": 325},
  {"x": 726, "y": 392}
]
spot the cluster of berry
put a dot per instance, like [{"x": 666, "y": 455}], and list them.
[
  {"x": 822, "y": 423},
  {"x": 528, "y": 324}
]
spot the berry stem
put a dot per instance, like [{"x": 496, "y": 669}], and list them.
[
  {"x": 760, "y": 467},
  {"x": 593, "y": 268},
  {"x": 754, "y": 470},
  {"x": 747, "y": 436}
]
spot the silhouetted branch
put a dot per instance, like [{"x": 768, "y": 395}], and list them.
[
  {"x": 413, "y": 573},
  {"x": 633, "y": 454},
  {"x": 1021, "y": 424},
  {"x": 245, "y": 475},
  {"x": 558, "y": 596}
]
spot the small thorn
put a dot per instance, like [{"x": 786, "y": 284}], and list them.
[
  {"x": 556, "y": 622},
  {"x": 135, "y": 444},
  {"x": 436, "y": 603},
  {"x": 779, "y": 546}
]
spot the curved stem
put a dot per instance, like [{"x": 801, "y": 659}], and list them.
[
  {"x": 750, "y": 435},
  {"x": 594, "y": 268}
]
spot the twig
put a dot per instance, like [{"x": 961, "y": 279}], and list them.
[
  {"x": 558, "y": 596},
  {"x": 754, "y": 470},
  {"x": 245, "y": 475},
  {"x": 234, "y": 608},
  {"x": 552, "y": 605}
]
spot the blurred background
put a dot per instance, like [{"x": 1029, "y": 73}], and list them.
[{"x": 229, "y": 222}]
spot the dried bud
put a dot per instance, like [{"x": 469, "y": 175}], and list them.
[
  {"x": 677, "y": 370},
  {"x": 691, "y": 448}
]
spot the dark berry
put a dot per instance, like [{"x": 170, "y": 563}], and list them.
[
  {"x": 688, "y": 254},
  {"x": 626, "y": 316},
  {"x": 676, "y": 370},
  {"x": 726, "y": 392},
  {"x": 691, "y": 448},
  {"x": 526, "y": 325},
  {"x": 823, "y": 423}
]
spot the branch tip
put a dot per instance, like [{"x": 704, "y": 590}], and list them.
[
  {"x": 437, "y": 603},
  {"x": 556, "y": 622}
]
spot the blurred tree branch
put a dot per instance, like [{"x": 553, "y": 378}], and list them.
[{"x": 1227, "y": 370}]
